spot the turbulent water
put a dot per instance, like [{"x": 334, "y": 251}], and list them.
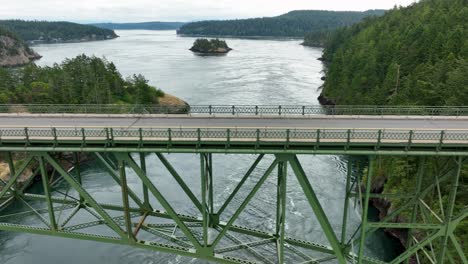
[{"x": 255, "y": 72}]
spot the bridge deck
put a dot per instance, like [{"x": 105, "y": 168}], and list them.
[
  {"x": 324, "y": 135},
  {"x": 407, "y": 123}
]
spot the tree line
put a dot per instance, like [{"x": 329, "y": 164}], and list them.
[
  {"x": 56, "y": 31},
  {"x": 81, "y": 80},
  {"x": 292, "y": 24}
]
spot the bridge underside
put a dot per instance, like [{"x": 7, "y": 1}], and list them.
[{"x": 146, "y": 218}]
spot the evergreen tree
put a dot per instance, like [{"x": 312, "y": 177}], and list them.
[{"x": 81, "y": 80}]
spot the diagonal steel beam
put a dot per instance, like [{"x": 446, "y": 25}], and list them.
[
  {"x": 241, "y": 183},
  {"x": 180, "y": 181},
  {"x": 415, "y": 248},
  {"x": 164, "y": 203},
  {"x": 450, "y": 208},
  {"x": 11, "y": 164},
  {"x": 245, "y": 245},
  {"x": 15, "y": 177},
  {"x": 414, "y": 213},
  {"x": 108, "y": 167},
  {"x": 87, "y": 197},
  {"x": 317, "y": 208},
  {"x": 125, "y": 202},
  {"x": 249, "y": 249},
  {"x": 47, "y": 192},
  {"x": 244, "y": 203},
  {"x": 370, "y": 172},
  {"x": 443, "y": 177},
  {"x": 458, "y": 248},
  {"x": 36, "y": 212},
  {"x": 146, "y": 200}
]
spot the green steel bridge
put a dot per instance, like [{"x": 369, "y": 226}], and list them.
[{"x": 119, "y": 137}]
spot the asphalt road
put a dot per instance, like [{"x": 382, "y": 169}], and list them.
[{"x": 172, "y": 122}]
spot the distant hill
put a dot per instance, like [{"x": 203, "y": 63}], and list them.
[
  {"x": 143, "y": 25},
  {"x": 13, "y": 50},
  {"x": 293, "y": 24},
  {"x": 56, "y": 32}
]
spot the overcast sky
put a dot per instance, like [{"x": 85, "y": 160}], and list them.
[{"x": 173, "y": 10}]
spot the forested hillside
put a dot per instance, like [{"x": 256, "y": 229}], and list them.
[
  {"x": 143, "y": 25},
  {"x": 292, "y": 24},
  {"x": 51, "y": 32},
  {"x": 13, "y": 50},
  {"x": 416, "y": 56},
  {"x": 411, "y": 56},
  {"x": 82, "y": 80}
]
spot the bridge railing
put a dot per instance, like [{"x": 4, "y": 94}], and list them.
[
  {"x": 239, "y": 110},
  {"x": 374, "y": 136}
]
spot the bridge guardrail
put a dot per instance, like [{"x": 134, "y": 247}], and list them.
[
  {"x": 237, "y": 110},
  {"x": 374, "y": 136}
]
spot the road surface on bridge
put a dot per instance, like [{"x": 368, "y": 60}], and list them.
[{"x": 406, "y": 123}]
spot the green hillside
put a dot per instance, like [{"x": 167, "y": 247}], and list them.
[
  {"x": 50, "y": 32},
  {"x": 293, "y": 24},
  {"x": 416, "y": 56}
]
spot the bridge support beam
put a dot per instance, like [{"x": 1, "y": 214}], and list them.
[
  {"x": 47, "y": 192},
  {"x": 317, "y": 208},
  {"x": 204, "y": 236},
  {"x": 164, "y": 203},
  {"x": 11, "y": 166},
  {"x": 281, "y": 208},
  {"x": 449, "y": 211},
  {"x": 125, "y": 201},
  {"x": 370, "y": 172},
  {"x": 346, "y": 202},
  {"x": 145, "y": 188},
  {"x": 414, "y": 213}
]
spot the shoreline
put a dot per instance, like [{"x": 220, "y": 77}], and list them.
[
  {"x": 33, "y": 43},
  {"x": 279, "y": 38}
]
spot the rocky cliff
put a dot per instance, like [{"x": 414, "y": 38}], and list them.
[{"x": 13, "y": 52}]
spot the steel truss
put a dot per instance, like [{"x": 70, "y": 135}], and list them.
[{"x": 204, "y": 235}]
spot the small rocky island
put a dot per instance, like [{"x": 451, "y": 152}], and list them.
[{"x": 210, "y": 47}]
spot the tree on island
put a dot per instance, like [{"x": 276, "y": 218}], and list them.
[{"x": 214, "y": 46}]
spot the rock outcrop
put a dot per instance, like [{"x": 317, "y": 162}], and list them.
[{"x": 13, "y": 52}]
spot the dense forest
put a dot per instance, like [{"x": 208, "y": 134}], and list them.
[
  {"x": 317, "y": 39},
  {"x": 292, "y": 24},
  {"x": 82, "y": 80},
  {"x": 143, "y": 25},
  {"x": 410, "y": 56},
  {"x": 56, "y": 31}
]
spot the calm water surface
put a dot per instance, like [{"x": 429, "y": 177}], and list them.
[{"x": 255, "y": 72}]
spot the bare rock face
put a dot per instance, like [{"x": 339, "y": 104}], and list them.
[{"x": 15, "y": 53}]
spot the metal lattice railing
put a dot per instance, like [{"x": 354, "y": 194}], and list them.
[
  {"x": 238, "y": 110},
  {"x": 374, "y": 136}
]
